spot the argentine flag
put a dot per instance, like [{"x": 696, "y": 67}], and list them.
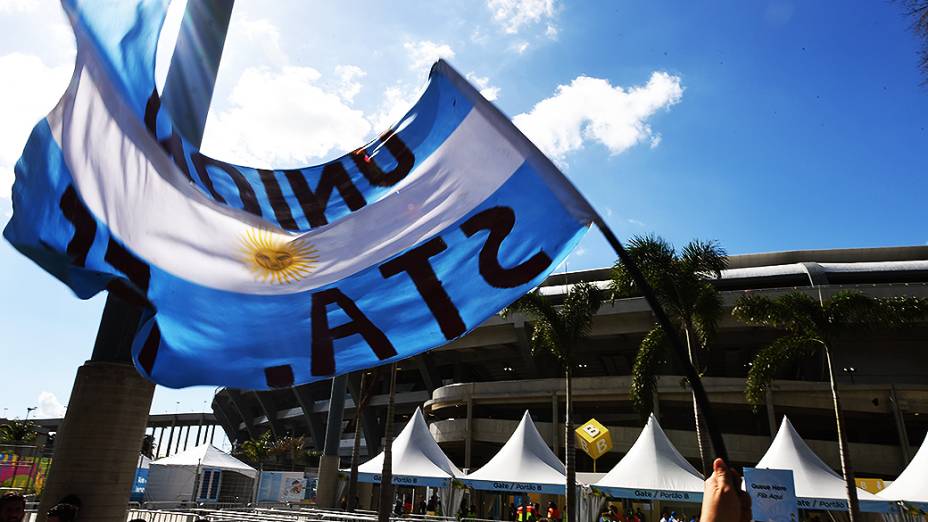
[{"x": 257, "y": 277}]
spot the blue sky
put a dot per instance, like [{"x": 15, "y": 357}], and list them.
[{"x": 763, "y": 125}]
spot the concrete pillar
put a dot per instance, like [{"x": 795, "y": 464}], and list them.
[
  {"x": 771, "y": 414},
  {"x": 96, "y": 451},
  {"x": 469, "y": 433},
  {"x": 365, "y": 496},
  {"x": 167, "y": 452},
  {"x": 329, "y": 461},
  {"x": 900, "y": 426},
  {"x": 158, "y": 447}
]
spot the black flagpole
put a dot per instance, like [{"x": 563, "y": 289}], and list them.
[{"x": 699, "y": 393}]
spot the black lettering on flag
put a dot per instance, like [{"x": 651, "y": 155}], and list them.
[
  {"x": 85, "y": 228},
  {"x": 279, "y": 376},
  {"x": 499, "y": 221},
  {"x": 276, "y": 198},
  {"x": 199, "y": 162},
  {"x": 173, "y": 145},
  {"x": 416, "y": 264},
  {"x": 136, "y": 270},
  {"x": 314, "y": 204},
  {"x": 323, "y": 351},
  {"x": 149, "y": 351},
  {"x": 245, "y": 192},
  {"x": 152, "y": 106},
  {"x": 405, "y": 160}
]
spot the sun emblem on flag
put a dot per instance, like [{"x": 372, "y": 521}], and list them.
[{"x": 275, "y": 260}]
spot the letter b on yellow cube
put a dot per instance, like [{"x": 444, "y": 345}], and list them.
[{"x": 594, "y": 439}]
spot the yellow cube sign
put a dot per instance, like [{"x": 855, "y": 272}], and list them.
[{"x": 594, "y": 439}]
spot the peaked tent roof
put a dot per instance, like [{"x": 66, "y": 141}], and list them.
[
  {"x": 207, "y": 456},
  {"x": 417, "y": 459},
  {"x": 653, "y": 469},
  {"x": 524, "y": 464},
  {"x": 817, "y": 485},
  {"x": 912, "y": 484}
]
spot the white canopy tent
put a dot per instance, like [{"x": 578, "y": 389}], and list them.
[
  {"x": 653, "y": 469},
  {"x": 175, "y": 478},
  {"x": 525, "y": 464},
  {"x": 817, "y": 485},
  {"x": 912, "y": 485},
  {"x": 417, "y": 459}
]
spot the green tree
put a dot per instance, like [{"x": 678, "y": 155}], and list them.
[
  {"x": 148, "y": 446},
  {"x": 813, "y": 326},
  {"x": 561, "y": 330},
  {"x": 682, "y": 284},
  {"x": 258, "y": 449},
  {"x": 18, "y": 432},
  {"x": 291, "y": 450}
]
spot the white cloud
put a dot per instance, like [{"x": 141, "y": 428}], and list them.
[
  {"x": 635, "y": 222},
  {"x": 551, "y": 32},
  {"x": 49, "y": 406},
  {"x": 18, "y": 6},
  {"x": 29, "y": 90},
  {"x": 580, "y": 251},
  {"x": 513, "y": 15},
  {"x": 482, "y": 83},
  {"x": 656, "y": 140},
  {"x": 591, "y": 109},
  {"x": 520, "y": 47},
  {"x": 283, "y": 118},
  {"x": 397, "y": 100},
  {"x": 424, "y": 53},
  {"x": 348, "y": 76}
]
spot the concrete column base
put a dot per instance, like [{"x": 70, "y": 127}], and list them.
[
  {"x": 327, "y": 487},
  {"x": 365, "y": 494},
  {"x": 98, "y": 443}
]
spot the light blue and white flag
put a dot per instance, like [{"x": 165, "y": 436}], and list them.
[{"x": 258, "y": 278}]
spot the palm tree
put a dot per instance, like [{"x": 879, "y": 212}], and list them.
[
  {"x": 561, "y": 330},
  {"x": 682, "y": 284},
  {"x": 18, "y": 432},
  {"x": 368, "y": 379},
  {"x": 813, "y": 326},
  {"x": 386, "y": 475},
  {"x": 148, "y": 446}
]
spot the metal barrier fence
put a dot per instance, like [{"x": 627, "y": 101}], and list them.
[{"x": 280, "y": 513}]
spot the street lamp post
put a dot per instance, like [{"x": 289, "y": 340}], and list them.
[{"x": 30, "y": 410}]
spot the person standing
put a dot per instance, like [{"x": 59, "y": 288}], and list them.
[{"x": 554, "y": 514}]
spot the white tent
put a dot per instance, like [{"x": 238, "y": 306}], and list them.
[
  {"x": 525, "y": 464},
  {"x": 417, "y": 459},
  {"x": 912, "y": 484},
  {"x": 817, "y": 485},
  {"x": 653, "y": 469},
  {"x": 174, "y": 478}
]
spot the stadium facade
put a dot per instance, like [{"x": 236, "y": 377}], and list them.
[{"x": 475, "y": 389}]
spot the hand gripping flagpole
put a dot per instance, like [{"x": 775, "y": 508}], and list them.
[{"x": 699, "y": 392}]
